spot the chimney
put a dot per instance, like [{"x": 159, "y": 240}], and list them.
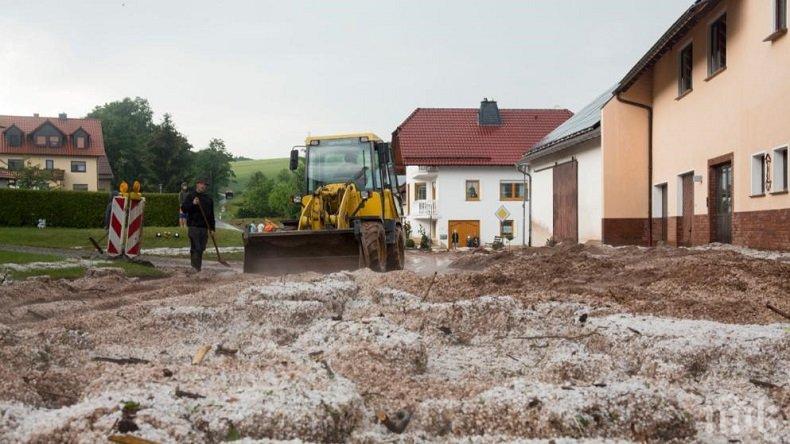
[
  {"x": 35, "y": 114},
  {"x": 489, "y": 113},
  {"x": 62, "y": 116}
]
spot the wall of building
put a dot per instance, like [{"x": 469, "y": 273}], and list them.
[
  {"x": 89, "y": 177},
  {"x": 741, "y": 111},
  {"x": 624, "y": 150},
  {"x": 451, "y": 201},
  {"x": 590, "y": 189}
]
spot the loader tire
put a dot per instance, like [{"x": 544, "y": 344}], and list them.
[
  {"x": 374, "y": 246},
  {"x": 396, "y": 255}
]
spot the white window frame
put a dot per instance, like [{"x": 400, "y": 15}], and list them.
[
  {"x": 681, "y": 93},
  {"x": 779, "y": 169},
  {"x": 77, "y": 163},
  {"x": 47, "y": 162},
  {"x": 708, "y": 55},
  {"x": 757, "y": 167}
]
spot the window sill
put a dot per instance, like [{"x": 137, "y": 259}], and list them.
[
  {"x": 757, "y": 195},
  {"x": 774, "y": 193},
  {"x": 473, "y": 200},
  {"x": 684, "y": 93},
  {"x": 511, "y": 200},
  {"x": 716, "y": 73},
  {"x": 775, "y": 35}
]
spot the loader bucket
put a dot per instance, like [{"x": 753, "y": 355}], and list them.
[{"x": 284, "y": 252}]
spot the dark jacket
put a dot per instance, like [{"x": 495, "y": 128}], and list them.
[{"x": 194, "y": 218}]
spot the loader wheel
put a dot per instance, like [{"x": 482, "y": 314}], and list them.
[
  {"x": 396, "y": 256},
  {"x": 374, "y": 246}
]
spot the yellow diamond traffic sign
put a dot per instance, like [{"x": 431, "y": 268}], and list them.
[{"x": 502, "y": 213}]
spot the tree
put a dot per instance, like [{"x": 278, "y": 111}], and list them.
[
  {"x": 168, "y": 159},
  {"x": 127, "y": 126},
  {"x": 256, "y": 196},
  {"x": 213, "y": 164},
  {"x": 33, "y": 177}
]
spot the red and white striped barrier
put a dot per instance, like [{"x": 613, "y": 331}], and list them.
[
  {"x": 117, "y": 229},
  {"x": 135, "y": 229}
]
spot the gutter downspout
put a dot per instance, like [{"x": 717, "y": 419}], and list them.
[
  {"x": 649, "y": 164},
  {"x": 528, "y": 191}
]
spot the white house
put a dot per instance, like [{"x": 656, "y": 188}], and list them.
[
  {"x": 460, "y": 168},
  {"x": 567, "y": 186}
]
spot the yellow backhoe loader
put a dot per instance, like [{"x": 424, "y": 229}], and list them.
[{"x": 350, "y": 214}]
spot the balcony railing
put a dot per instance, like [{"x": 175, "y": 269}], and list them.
[
  {"x": 426, "y": 172},
  {"x": 424, "y": 209}
]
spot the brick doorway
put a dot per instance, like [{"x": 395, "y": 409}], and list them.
[{"x": 720, "y": 198}]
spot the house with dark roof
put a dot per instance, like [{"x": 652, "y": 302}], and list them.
[
  {"x": 566, "y": 176},
  {"x": 460, "y": 168},
  {"x": 73, "y": 149}
]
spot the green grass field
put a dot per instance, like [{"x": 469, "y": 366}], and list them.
[
  {"x": 244, "y": 169},
  {"x": 77, "y": 238}
]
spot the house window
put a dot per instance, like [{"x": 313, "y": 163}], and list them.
[
  {"x": 41, "y": 140},
  {"x": 780, "y": 170},
  {"x": 506, "y": 229},
  {"x": 15, "y": 164},
  {"x": 511, "y": 190},
  {"x": 14, "y": 140},
  {"x": 81, "y": 142},
  {"x": 54, "y": 141},
  {"x": 686, "y": 63},
  {"x": 80, "y": 187},
  {"x": 780, "y": 15},
  {"x": 717, "y": 45},
  {"x": 758, "y": 174},
  {"x": 50, "y": 164},
  {"x": 77, "y": 166},
  {"x": 420, "y": 191},
  {"x": 472, "y": 190}
]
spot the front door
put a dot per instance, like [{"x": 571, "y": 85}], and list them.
[
  {"x": 566, "y": 202},
  {"x": 722, "y": 211},
  {"x": 467, "y": 229},
  {"x": 687, "y": 218}
]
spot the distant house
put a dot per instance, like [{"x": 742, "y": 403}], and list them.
[
  {"x": 460, "y": 168},
  {"x": 72, "y": 148},
  {"x": 695, "y": 140},
  {"x": 566, "y": 170}
]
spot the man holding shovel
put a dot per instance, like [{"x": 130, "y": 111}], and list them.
[{"x": 199, "y": 209}]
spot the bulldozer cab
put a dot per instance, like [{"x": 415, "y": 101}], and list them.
[{"x": 350, "y": 213}]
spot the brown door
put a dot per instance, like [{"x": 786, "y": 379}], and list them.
[
  {"x": 722, "y": 203},
  {"x": 566, "y": 204},
  {"x": 687, "y": 218},
  {"x": 662, "y": 189},
  {"x": 467, "y": 229}
]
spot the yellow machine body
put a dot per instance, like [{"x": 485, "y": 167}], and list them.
[{"x": 349, "y": 218}]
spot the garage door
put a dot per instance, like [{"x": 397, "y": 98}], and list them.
[
  {"x": 466, "y": 228},
  {"x": 566, "y": 202}
]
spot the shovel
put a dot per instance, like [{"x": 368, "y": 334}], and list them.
[
  {"x": 96, "y": 243},
  {"x": 213, "y": 240}
]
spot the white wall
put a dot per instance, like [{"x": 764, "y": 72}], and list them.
[
  {"x": 452, "y": 203},
  {"x": 588, "y": 156}
]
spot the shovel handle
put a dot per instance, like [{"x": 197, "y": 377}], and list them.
[{"x": 213, "y": 240}]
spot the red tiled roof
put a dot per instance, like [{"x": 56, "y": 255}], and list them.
[
  {"x": 452, "y": 136},
  {"x": 104, "y": 168},
  {"x": 68, "y": 126}
]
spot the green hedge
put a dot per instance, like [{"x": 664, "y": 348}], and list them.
[{"x": 76, "y": 209}]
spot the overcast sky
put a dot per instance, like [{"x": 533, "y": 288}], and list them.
[{"x": 263, "y": 74}]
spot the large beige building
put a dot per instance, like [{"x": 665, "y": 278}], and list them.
[
  {"x": 73, "y": 149},
  {"x": 695, "y": 140}
]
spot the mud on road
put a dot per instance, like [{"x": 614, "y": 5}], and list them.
[{"x": 575, "y": 342}]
